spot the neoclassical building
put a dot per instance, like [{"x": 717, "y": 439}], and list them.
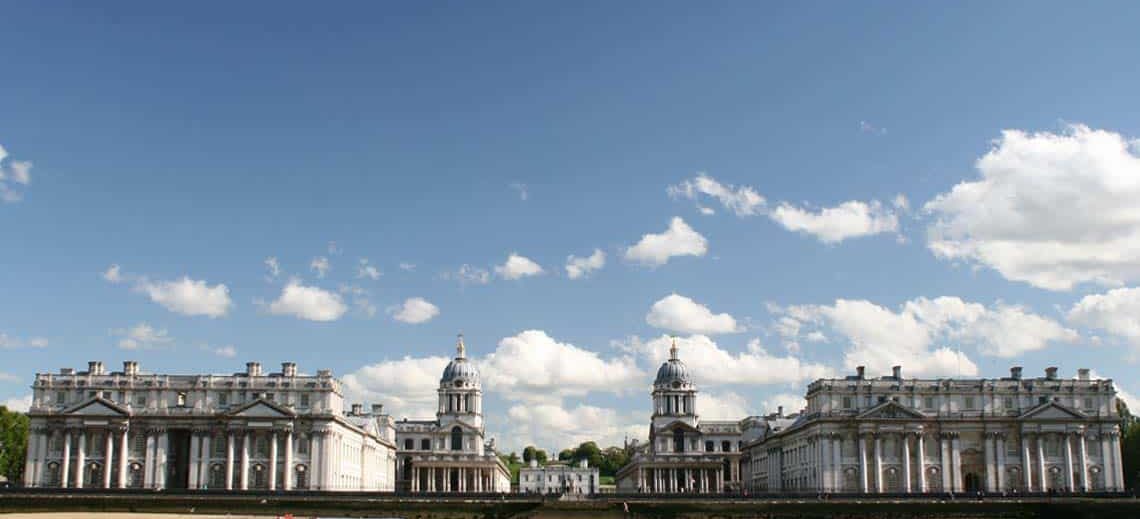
[
  {"x": 574, "y": 479},
  {"x": 246, "y": 430},
  {"x": 904, "y": 435},
  {"x": 684, "y": 454},
  {"x": 449, "y": 453}
]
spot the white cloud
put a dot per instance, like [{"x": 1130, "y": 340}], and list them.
[
  {"x": 142, "y": 336},
  {"x": 320, "y": 265},
  {"x": 365, "y": 270},
  {"x": 517, "y": 267},
  {"x": 113, "y": 274},
  {"x": 879, "y": 338},
  {"x": 189, "y": 297},
  {"x": 13, "y": 173},
  {"x": 581, "y": 267},
  {"x": 866, "y": 127},
  {"x": 8, "y": 377},
  {"x": 273, "y": 266},
  {"x": 309, "y": 303},
  {"x": 722, "y": 406},
  {"x": 415, "y": 310},
  {"x": 742, "y": 201},
  {"x": 712, "y": 365},
  {"x": 1117, "y": 312},
  {"x": 407, "y": 387},
  {"x": 18, "y": 404},
  {"x": 554, "y": 426},
  {"x": 361, "y": 299},
  {"x": 791, "y": 402},
  {"x": 469, "y": 275},
  {"x": 1050, "y": 209},
  {"x": 850, "y": 219},
  {"x": 680, "y": 314},
  {"x": 533, "y": 365},
  {"x": 520, "y": 188},
  {"x": 678, "y": 240},
  {"x": 38, "y": 342},
  {"x": 334, "y": 249},
  {"x": 409, "y": 267},
  {"x": 225, "y": 352},
  {"x": 10, "y": 343}
]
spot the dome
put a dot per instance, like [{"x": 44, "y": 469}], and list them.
[
  {"x": 460, "y": 368},
  {"x": 672, "y": 370}
]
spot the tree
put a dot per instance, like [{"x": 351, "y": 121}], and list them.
[
  {"x": 1129, "y": 445},
  {"x": 541, "y": 456},
  {"x": 566, "y": 455},
  {"x": 590, "y": 452},
  {"x": 13, "y": 444},
  {"x": 528, "y": 453},
  {"x": 513, "y": 459}
]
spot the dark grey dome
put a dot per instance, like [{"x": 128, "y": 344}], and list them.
[
  {"x": 460, "y": 368},
  {"x": 672, "y": 370}
]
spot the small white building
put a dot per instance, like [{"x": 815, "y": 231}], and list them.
[
  {"x": 559, "y": 478},
  {"x": 242, "y": 431}
]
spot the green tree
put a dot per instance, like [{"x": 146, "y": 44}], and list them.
[
  {"x": 566, "y": 455},
  {"x": 513, "y": 459},
  {"x": 13, "y": 444},
  {"x": 541, "y": 456},
  {"x": 590, "y": 452},
  {"x": 528, "y": 453},
  {"x": 1129, "y": 445}
]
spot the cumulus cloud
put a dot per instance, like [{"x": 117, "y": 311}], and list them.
[
  {"x": 852, "y": 219},
  {"x": 554, "y": 425},
  {"x": 407, "y": 267},
  {"x": 405, "y": 386},
  {"x": 469, "y": 275},
  {"x": 879, "y": 338},
  {"x": 415, "y": 310},
  {"x": 577, "y": 268},
  {"x": 113, "y": 274},
  {"x": 1116, "y": 312},
  {"x": 18, "y": 404},
  {"x": 308, "y": 302},
  {"x": 678, "y": 240},
  {"x": 13, "y": 173},
  {"x": 722, "y": 406},
  {"x": 1050, "y": 209},
  {"x": 517, "y": 267},
  {"x": 680, "y": 314},
  {"x": 365, "y": 270},
  {"x": 742, "y": 201},
  {"x": 532, "y": 365},
  {"x": 189, "y": 296},
  {"x": 142, "y": 336},
  {"x": 791, "y": 402},
  {"x": 713, "y": 365},
  {"x": 320, "y": 265}
]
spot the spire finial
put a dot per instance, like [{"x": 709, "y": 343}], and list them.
[
  {"x": 461, "y": 350},
  {"x": 673, "y": 349}
]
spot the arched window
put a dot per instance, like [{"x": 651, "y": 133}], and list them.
[{"x": 456, "y": 438}]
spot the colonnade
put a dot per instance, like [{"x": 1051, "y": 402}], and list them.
[
  {"x": 437, "y": 478},
  {"x": 675, "y": 479}
]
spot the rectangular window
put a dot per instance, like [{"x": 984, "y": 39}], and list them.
[
  {"x": 847, "y": 402},
  {"x": 708, "y": 446},
  {"x": 303, "y": 445},
  {"x": 1088, "y": 403},
  {"x": 60, "y": 398},
  {"x": 425, "y": 444},
  {"x": 223, "y": 398},
  {"x": 969, "y": 403},
  {"x": 140, "y": 400},
  {"x": 270, "y": 396},
  {"x": 106, "y": 395},
  {"x": 928, "y": 402},
  {"x": 304, "y": 400},
  {"x": 1007, "y": 403}
]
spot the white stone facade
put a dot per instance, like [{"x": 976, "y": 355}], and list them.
[
  {"x": 561, "y": 478},
  {"x": 684, "y": 454},
  {"x": 450, "y": 453},
  {"x": 248, "y": 430},
  {"x": 899, "y": 435}
]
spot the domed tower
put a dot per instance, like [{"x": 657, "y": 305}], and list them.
[
  {"x": 674, "y": 394},
  {"x": 460, "y": 393}
]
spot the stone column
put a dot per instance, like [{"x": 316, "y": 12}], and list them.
[
  {"x": 1106, "y": 462},
  {"x": 148, "y": 460},
  {"x": 108, "y": 458},
  {"x": 1041, "y": 463},
  {"x": 195, "y": 459},
  {"x": 243, "y": 477},
  {"x": 273, "y": 461},
  {"x": 1027, "y": 461},
  {"x": 160, "y": 459},
  {"x": 947, "y": 466},
  {"x": 230, "y": 460},
  {"x": 1118, "y": 469},
  {"x": 878, "y": 463},
  {"x": 1082, "y": 451},
  {"x": 64, "y": 473},
  {"x": 920, "y": 447},
  {"x": 1000, "y": 452},
  {"x": 837, "y": 463},
  {"x": 956, "y": 453},
  {"x": 32, "y": 458},
  {"x": 316, "y": 443},
  {"x": 991, "y": 461},
  {"x": 288, "y": 472},
  {"x": 906, "y": 461},
  {"x": 863, "y": 464},
  {"x": 124, "y": 455},
  {"x": 1069, "y": 483},
  {"x": 81, "y": 458}
]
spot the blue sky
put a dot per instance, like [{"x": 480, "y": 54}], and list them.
[{"x": 189, "y": 144}]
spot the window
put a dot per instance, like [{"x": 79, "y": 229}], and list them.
[
  {"x": 1007, "y": 403},
  {"x": 709, "y": 446},
  {"x": 882, "y": 399},
  {"x": 303, "y": 445},
  {"x": 678, "y": 440},
  {"x": 847, "y": 402},
  {"x": 725, "y": 446},
  {"x": 140, "y": 400},
  {"x": 1088, "y": 403},
  {"x": 425, "y": 444},
  {"x": 107, "y": 395},
  {"x": 90, "y": 394},
  {"x": 1042, "y": 399},
  {"x": 181, "y": 402},
  {"x": 409, "y": 444},
  {"x": 304, "y": 400},
  {"x": 270, "y": 396},
  {"x": 60, "y": 398},
  {"x": 969, "y": 403},
  {"x": 456, "y": 438},
  {"x": 223, "y": 398}
]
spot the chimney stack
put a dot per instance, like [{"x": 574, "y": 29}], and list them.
[
  {"x": 357, "y": 409},
  {"x": 1015, "y": 372},
  {"x": 779, "y": 411},
  {"x": 1083, "y": 374},
  {"x": 859, "y": 371},
  {"x": 253, "y": 369},
  {"x": 377, "y": 409},
  {"x": 897, "y": 370},
  {"x": 1051, "y": 373},
  {"x": 66, "y": 371},
  {"x": 289, "y": 369},
  {"x": 95, "y": 368},
  {"x": 130, "y": 367}
]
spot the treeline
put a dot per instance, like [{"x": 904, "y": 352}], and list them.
[{"x": 607, "y": 460}]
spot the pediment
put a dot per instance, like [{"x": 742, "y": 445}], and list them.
[
  {"x": 261, "y": 408},
  {"x": 672, "y": 426},
  {"x": 891, "y": 410},
  {"x": 97, "y": 407},
  {"x": 1052, "y": 411}
]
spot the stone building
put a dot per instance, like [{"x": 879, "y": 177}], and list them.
[
  {"x": 898, "y": 435},
  {"x": 247, "y": 430},
  {"x": 559, "y": 477},
  {"x": 449, "y": 453},
  {"x": 683, "y": 454}
]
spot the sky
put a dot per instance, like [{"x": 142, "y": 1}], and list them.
[{"x": 790, "y": 190}]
